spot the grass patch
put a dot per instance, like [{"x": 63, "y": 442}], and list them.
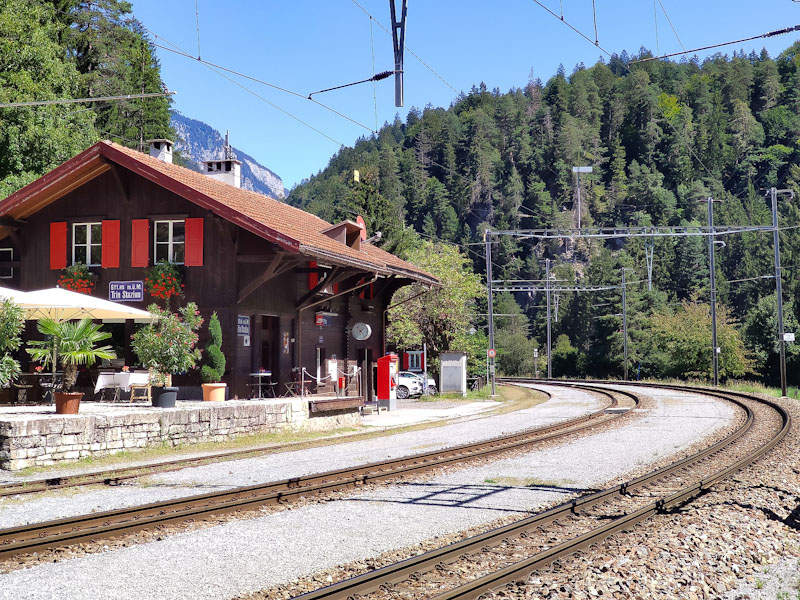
[{"x": 759, "y": 388}]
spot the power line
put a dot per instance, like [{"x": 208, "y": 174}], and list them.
[
  {"x": 185, "y": 54},
  {"x": 769, "y": 34},
  {"x": 374, "y": 86},
  {"x": 671, "y": 25},
  {"x": 81, "y": 100},
  {"x": 197, "y": 21},
  {"x": 375, "y": 77}
]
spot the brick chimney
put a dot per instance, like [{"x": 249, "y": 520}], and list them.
[
  {"x": 161, "y": 149},
  {"x": 227, "y": 169}
]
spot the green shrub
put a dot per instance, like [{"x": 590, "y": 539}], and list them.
[{"x": 214, "y": 369}]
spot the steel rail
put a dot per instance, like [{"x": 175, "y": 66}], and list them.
[
  {"x": 115, "y": 476},
  {"x": 369, "y": 582},
  {"x": 525, "y": 567},
  {"x": 51, "y": 534}
]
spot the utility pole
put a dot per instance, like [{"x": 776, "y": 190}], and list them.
[
  {"x": 578, "y": 171},
  {"x": 547, "y": 287},
  {"x": 776, "y": 242},
  {"x": 711, "y": 242},
  {"x": 398, "y": 44},
  {"x": 490, "y": 358},
  {"x": 624, "y": 327}
]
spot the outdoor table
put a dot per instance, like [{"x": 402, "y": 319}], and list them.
[
  {"x": 120, "y": 381},
  {"x": 260, "y": 382}
]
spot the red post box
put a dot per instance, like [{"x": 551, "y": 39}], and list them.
[{"x": 387, "y": 377}]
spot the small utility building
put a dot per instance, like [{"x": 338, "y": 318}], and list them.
[{"x": 291, "y": 290}]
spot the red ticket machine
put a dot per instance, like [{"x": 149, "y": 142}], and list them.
[{"x": 387, "y": 377}]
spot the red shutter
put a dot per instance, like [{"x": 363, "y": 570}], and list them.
[
  {"x": 313, "y": 277},
  {"x": 335, "y": 288},
  {"x": 58, "y": 245},
  {"x": 405, "y": 361},
  {"x": 140, "y": 243},
  {"x": 422, "y": 361},
  {"x": 110, "y": 253},
  {"x": 194, "y": 243}
]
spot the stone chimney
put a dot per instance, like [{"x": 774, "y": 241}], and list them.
[
  {"x": 161, "y": 149},
  {"x": 227, "y": 169}
]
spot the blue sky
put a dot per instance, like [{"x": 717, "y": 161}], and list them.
[{"x": 308, "y": 45}]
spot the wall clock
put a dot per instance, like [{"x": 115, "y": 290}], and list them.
[{"x": 361, "y": 331}]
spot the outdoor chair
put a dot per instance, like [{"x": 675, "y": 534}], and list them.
[
  {"x": 140, "y": 391},
  {"x": 21, "y": 393}
]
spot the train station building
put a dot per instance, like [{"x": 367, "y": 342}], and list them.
[{"x": 292, "y": 291}]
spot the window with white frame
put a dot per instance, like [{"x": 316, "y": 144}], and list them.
[
  {"x": 6, "y": 254},
  {"x": 415, "y": 361},
  {"x": 170, "y": 240},
  {"x": 87, "y": 243}
]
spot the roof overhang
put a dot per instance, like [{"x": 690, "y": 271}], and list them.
[{"x": 95, "y": 161}]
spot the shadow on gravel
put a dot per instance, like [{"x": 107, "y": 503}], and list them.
[{"x": 463, "y": 496}]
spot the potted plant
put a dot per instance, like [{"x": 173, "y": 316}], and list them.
[
  {"x": 166, "y": 347},
  {"x": 212, "y": 372},
  {"x": 163, "y": 281},
  {"x": 77, "y": 278},
  {"x": 70, "y": 344}
]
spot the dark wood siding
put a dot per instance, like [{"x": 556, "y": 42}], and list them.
[{"x": 232, "y": 258}]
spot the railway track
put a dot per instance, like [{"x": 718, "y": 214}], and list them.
[
  {"x": 115, "y": 476},
  {"x": 509, "y": 554},
  {"x": 110, "y": 524}
]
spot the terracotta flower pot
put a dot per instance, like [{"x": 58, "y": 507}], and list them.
[
  {"x": 68, "y": 403},
  {"x": 214, "y": 392}
]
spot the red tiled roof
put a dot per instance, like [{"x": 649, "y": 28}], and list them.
[{"x": 293, "y": 229}]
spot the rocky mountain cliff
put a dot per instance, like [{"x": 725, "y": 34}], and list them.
[{"x": 198, "y": 141}]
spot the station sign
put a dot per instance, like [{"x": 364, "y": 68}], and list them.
[
  {"x": 126, "y": 291},
  {"x": 243, "y": 325}
]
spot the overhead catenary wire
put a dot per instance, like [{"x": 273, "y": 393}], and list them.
[
  {"x": 664, "y": 10},
  {"x": 374, "y": 83},
  {"x": 197, "y": 23},
  {"x": 177, "y": 50},
  {"x": 376, "y": 77},
  {"x": 769, "y": 34},
  {"x": 82, "y": 100}
]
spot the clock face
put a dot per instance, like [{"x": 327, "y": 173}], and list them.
[{"x": 361, "y": 331}]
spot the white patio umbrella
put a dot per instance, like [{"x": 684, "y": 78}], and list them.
[
  {"x": 63, "y": 305},
  {"x": 14, "y": 295}
]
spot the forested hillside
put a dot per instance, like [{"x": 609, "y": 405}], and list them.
[
  {"x": 56, "y": 49},
  {"x": 660, "y": 136}
]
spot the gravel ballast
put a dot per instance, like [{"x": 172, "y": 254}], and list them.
[
  {"x": 248, "y": 555},
  {"x": 15, "y": 511}
]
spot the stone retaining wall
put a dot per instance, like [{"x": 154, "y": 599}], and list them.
[{"x": 35, "y": 440}]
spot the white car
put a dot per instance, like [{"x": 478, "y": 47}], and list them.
[
  {"x": 413, "y": 384},
  {"x": 408, "y": 385}
]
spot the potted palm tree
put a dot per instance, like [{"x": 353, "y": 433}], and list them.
[
  {"x": 167, "y": 347},
  {"x": 70, "y": 344},
  {"x": 212, "y": 372}
]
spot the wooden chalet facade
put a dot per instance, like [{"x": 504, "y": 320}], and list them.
[{"x": 290, "y": 289}]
